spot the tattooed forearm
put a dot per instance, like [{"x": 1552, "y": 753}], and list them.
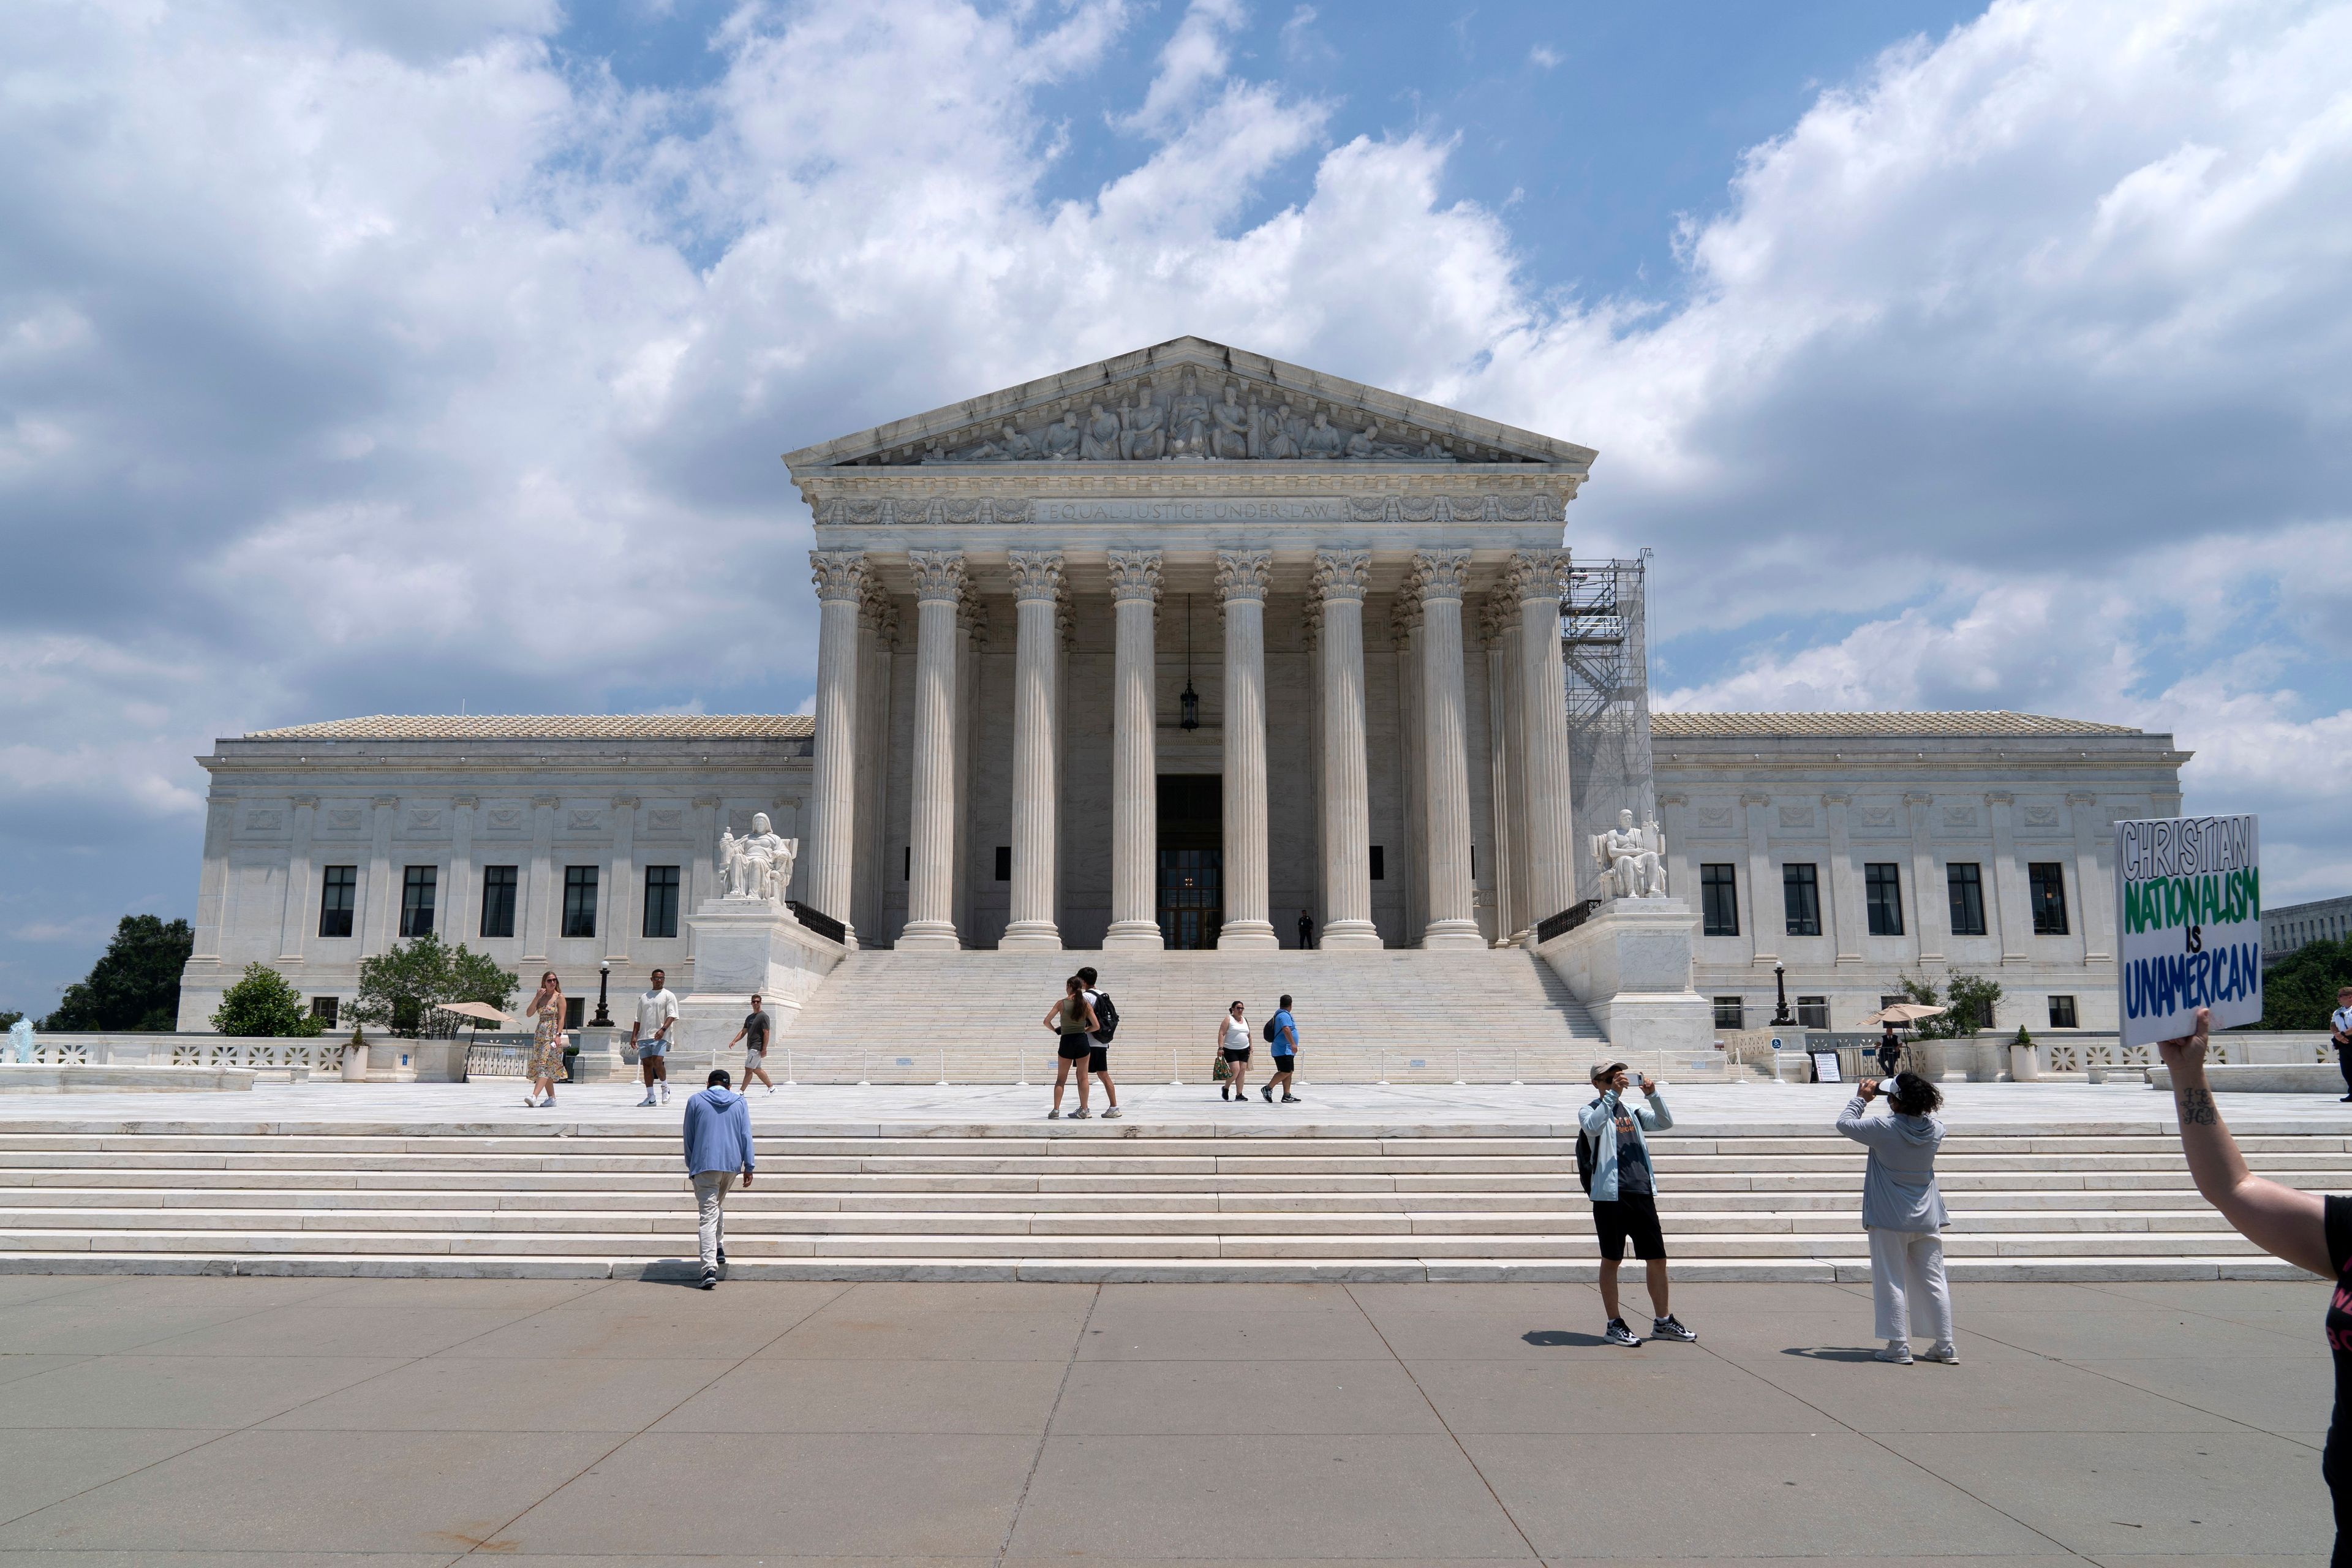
[{"x": 2197, "y": 1108}]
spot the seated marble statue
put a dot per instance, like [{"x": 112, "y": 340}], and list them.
[
  {"x": 1231, "y": 438},
  {"x": 1188, "y": 416},
  {"x": 1322, "y": 438},
  {"x": 1279, "y": 441},
  {"x": 1099, "y": 440},
  {"x": 1061, "y": 438},
  {"x": 758, "y": 866},
  {"x": 1633, "y": 858},
  {"x": 1144, "y": 420}
]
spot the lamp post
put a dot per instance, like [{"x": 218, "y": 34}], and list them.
[
  {"x": 1780, "y": 1019},
  {"x": 604, "y": 1018}
]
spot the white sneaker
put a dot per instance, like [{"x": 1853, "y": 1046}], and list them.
[
  {"x": 665, "y": 1088},
  {"x": 1900, "y": 1354},
  {"x": 648, "y": 1100},
  {"x": 1113, "y": 1112},
  {"x": 1949, "y": 1354}
]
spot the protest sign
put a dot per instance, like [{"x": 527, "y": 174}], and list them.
[{"x": 2188, "y": 925}]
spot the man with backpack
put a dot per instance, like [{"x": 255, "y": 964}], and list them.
[
  {"x": 1098, "y": 1059},
  {"x": 1282, "y": 1034},
  {"x": 1613, "y": 1160}
]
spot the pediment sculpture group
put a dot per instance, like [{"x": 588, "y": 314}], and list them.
[
  {"x": 1146, "y": 427},
  {"x": 759, "y": 865}
]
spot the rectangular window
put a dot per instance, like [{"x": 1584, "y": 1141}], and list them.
[
  {"x": 2048, "y": 880},
  {"x": 580, "y": 901},
  {"x": 1719, "y": 891},
  {"x": 1800, "y": 900},
  {"x": 339, "y": 898},
  {"x": 1814, "y": 1012},
  {"x": 2062, "y": 1013},
  {"x": 1883, "y": 892},
  {"x": 326, "y": 1008},
  {"x": 661, "y": 901},
  {"x": 498, "y": 900},
  {"x": 416, "y": 889},
  {"x": 1730, "y": 1013},
  {"x": 1379, "y": 863},
  {"x": 1965, "y": 881},
  {"x": 575, "y": 1011},
  {"x": 1004, "y": 862},
  {"x": 907, "y": 872}
]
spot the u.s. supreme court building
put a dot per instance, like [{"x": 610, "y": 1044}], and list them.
[{"x": 1172, "y": 651}]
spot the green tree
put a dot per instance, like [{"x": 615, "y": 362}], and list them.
[
  {"x": 8, "y": 1021},
  {"x": 398, "y": 987},
  {"x": 2299, "y": 990},
  {"x": 135, "y": 984},
  {"x": 1966, "y": 999},
  {"x": 262, "y": 1004}
]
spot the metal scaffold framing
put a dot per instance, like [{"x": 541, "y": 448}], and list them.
[{"x": 1604, "y": 642}]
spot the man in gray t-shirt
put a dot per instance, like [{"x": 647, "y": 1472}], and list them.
[{"x": 754, "y": 1036}]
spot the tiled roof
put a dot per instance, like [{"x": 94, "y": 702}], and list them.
[
  {"x": 552, "y": 726},
  {"x": 1763, "y": 726}
]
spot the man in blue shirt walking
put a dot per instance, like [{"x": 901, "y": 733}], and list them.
[
  {"x": 718, "y": 1146},
  {"x": 1282, "y": 1030}
]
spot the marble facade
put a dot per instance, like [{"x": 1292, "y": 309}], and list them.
[{"x": 1360, "y": 590}]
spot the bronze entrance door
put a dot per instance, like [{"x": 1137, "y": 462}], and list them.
[{"x": 1192, "y": 859}]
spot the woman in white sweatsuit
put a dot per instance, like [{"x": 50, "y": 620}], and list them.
[{"x": 1903, "y": 1212}]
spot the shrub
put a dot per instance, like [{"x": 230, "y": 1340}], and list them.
[
  {"x": 400, "y": 986},
  {"x": 263, "y": 1004}
]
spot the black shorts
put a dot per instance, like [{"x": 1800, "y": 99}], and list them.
[
  {"x": 1238, "y": 1056},
  {"x": 1284, "y": 1061},
  {"x": 1075, "y": 1047},
  {"x": 1097, "y": 1057},
  {"x": 1635, "y": 1215}
]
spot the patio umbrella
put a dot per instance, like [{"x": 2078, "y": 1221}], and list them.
[
  {"x": 1905, "y": 1012},
  {"x": 482, "y": 1012}
]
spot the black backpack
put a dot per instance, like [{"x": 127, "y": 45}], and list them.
[
  {"x": 1269, "y": 1031},
  {"x": 1584, "y": 1157},
  {"x": 1106, "y": 1016}
]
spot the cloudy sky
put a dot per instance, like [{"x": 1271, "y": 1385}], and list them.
[{"x": 359, "y": 357}]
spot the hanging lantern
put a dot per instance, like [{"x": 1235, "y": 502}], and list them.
[{"x": 1188, "y": 705}]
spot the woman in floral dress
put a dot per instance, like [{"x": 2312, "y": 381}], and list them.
[{"x": 546, "y": 1013}]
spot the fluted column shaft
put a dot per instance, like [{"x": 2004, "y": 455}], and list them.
[
  {"x": 1535, "y": 579},
  {"x": 930, "y": 879},
  {"x": 840, "y": 577},
  {"x": 1135, "y": 774},
  {"x": 1501, "y": 624},
  {"x": 1241, "y": 584},
  {"x": 1339, "y": 579},
  {"x": 1445, "y": 752},
  {"x": 1036, "y": 581}
]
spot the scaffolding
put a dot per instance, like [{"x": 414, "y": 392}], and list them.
[{"x": 1604, "y": 642}]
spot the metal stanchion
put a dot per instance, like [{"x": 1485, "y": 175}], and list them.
[
  {"x": 1021, "y": 1067},
  {"x": 1515, "y": 1082},
  {"x": 1383, "y": 1079},
  {"x": 788, "y": 1068},
  {"x": 863, "y": 1080},
  {"x": 1459, "y": 1081},
  {"x": 943, "y": 1068},
  {"x": 1175, "y": 1073}
]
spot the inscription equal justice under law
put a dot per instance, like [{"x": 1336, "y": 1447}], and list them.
[{"x": 1235, "y": 510}]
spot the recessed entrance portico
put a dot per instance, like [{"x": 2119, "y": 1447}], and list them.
[{"x": 1018, "y": 660}]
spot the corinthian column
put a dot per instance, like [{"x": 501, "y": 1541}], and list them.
[
  {"x": 1340, "y": 578},
  {"x": 840, "y": 577},
  {"x": 1500, "y": 624},
  {"x": 1240, "y": 584},
  {"x": 1535, "y": 580},
  {"x": 1445, "y": 753},
  {"x": 1037, "y": 587},
  {"x": 1135, "y": 774},
  {"x": 931, "y": 877}
]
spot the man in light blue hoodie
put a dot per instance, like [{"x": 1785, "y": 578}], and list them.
[
  {"x": 718, "y": 1146},
  {"x": 1613, "y": 1159}
]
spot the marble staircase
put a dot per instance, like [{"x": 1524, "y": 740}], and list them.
[{"x": 1282, "y": 1201}]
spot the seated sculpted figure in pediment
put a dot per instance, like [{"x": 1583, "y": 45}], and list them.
[
  {"x": 1098, "y": 439},
  {"x": 1322, "y": 438},
  {"x": 1061, "y": 438},
  {"x": 1233, "y": 433}
]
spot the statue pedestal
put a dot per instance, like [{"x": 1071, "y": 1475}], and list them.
[
  {"x": 1629, "y": 964},
  {"x": 740, "y": 946},
  {"x": 598, "y": 1060}
]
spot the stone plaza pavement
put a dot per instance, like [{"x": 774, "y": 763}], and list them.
[{"x": 168, "y": 1422}]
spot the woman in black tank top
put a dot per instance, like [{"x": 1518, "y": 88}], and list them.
[{"x": 2305, "y": 1228}]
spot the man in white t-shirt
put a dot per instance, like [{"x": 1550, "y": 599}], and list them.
[
  {"x": 2340, "y": 1032},
  {"x": 656, "y": 1015}
]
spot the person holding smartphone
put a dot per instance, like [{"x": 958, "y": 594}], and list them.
[{"x": 1624, "y": 1195}]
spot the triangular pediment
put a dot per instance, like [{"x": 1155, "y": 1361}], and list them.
[{"x": 1189, "y": 400}]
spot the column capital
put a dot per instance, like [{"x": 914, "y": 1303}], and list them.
[
  {"x": 464, "y": 802},
  {"x": 840, "y": 575},
  {"x": 1341, "y": 575},
  {"x": 2074, "y": 798},
  {"x": 705, "y": 802},
  {"x": 1536, "y": 573},
  {"x": 1438, "y": 573},
  {"x": 1498, "y": 616},
  {"x": 385, "y": 802},
  {"x": 625, "y": 803},
  {"x": 1241, "y": 573},
  {"x": 1836, "y": 797},
  {"x": 546, "y": 801},
  {"x": 310, "y": 801},
  {"x": 971, "y": 612},
  {"x": 1753, "y": 799},
  {"x": 1404, "y": 610},
  {"x": 1999, "y": 796},
  {"x": 876, "y": 611},
  {"x": 1674, "y": 799},
  {"x": 1135, "y": 576},
  {"x": 1037, "y": 574},
  {"x": 1918, "y": 797},
  {"x": 938, "y": 575}
]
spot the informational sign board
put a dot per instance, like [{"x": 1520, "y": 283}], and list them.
[
  {"x": 1825, "y": 1068},
  {"x": 2188, "y": 925}
]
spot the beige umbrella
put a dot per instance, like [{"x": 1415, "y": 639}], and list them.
[
  {"x": 484, "y": 1012},
  {"x": 1905, "y": 1012}
]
